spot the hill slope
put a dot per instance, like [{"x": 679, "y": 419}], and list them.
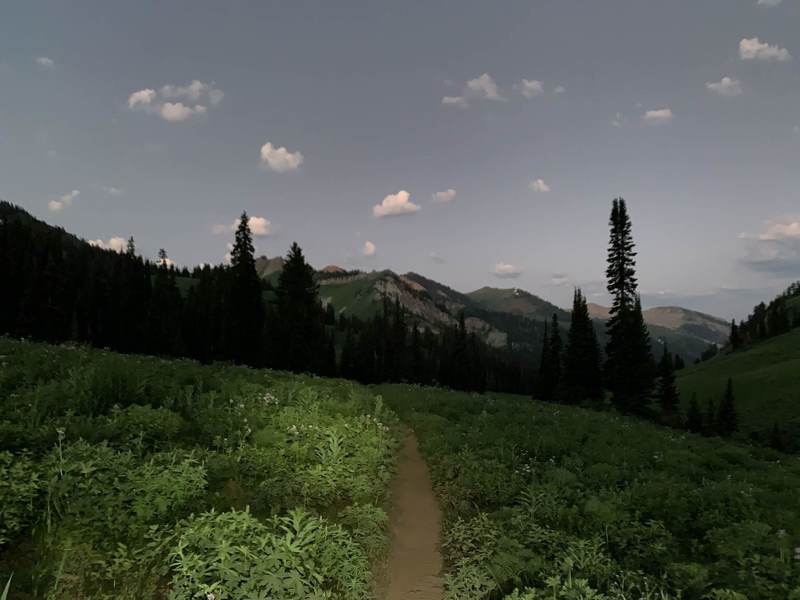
[{"x": 766, "y": 382}]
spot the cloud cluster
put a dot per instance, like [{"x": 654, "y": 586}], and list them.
[
  {"x": 46, "y": 62},
  {"x": 531, "y": 88},
  {"x": 727, "y": 86},
  {"x": 279, "y": 159},
  {"x": 175, "y": 103},
  {"x": 395, "y": 205},
  {"x": 755, "y": 49},
  {"x": 484, "y": 87},
  {"x": 59, "y": 204},
  {"x": 505, "y": 270},
  {"x": 368, "y": 249},
  {"x": 775, "y": 250},
  {"x": 539, "y": 186},
  {"x": 117, "y": 244},
  {"x": 444, "y": 196},
  {"x": 259, "y": 227},
  {"x": 769, "y": 3},
  {"x": 659, "y": 116}
]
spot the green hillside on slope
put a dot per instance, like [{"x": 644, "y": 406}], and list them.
[{"x": 766, "y": 381}]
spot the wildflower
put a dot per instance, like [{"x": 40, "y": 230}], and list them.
[
  {"x": 781, "y": 533},
  {"x": 62, "y": 433},
  {"x": 210, "y": 596}
]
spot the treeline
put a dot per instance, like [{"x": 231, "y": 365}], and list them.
[
  {"x": 575, "y": 370},
  {"x": 392, "y": 346},
  {"x": 767, "y": 320},
  {"x": 61, "y": 288}
]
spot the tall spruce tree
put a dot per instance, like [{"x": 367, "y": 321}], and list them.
[
  {"x": 582, "y": 377},
  {"x": 245, "y": 305},
  {"x": 629, "y": 367},
  {"x": 300, "y": 329},
  {"x": 666, "y": 390},
  {"x": 734, "y": 339},
  {"x": 727, "y": 419},
  {"x": 543, "y": 387},
  {"x": 694, "y": 418}
]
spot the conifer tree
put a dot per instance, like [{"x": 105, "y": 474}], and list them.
[
  {"x": 666, "y": 391},
  {"x": 582, "y": 378},
  {"x": 734, "y": 340},
  {"x": 245, "y": 305},
  {"x": 710, "y": 419},
  {"x": 130, "y": 248},
  {"x": 542, "y": 386},
  {"x": 727, "y": 419},
  {"x": 629, "y": 361},
  {"x": 301, "y": 334},
  {"x": 694, "y": 418}
]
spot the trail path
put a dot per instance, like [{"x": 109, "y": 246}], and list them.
[{"x": 414, "y": 560}]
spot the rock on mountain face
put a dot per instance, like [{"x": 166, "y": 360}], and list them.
[
  {"x": 498, "y": 316},
  {"x": 265, "y": 267},
  {"x": 697, "y": 325}
]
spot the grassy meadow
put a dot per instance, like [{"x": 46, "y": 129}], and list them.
[{"x": 136, "y": 477}]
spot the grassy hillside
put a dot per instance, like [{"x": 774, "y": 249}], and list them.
[
  {"x": 766, "y": 379},
  {"x": 566, "y": 503},
  {"x": 518, "y": 302},
  {"x": 137, "y": 477}
]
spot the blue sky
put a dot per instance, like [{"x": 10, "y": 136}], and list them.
[{"x": 491, "y": 136}]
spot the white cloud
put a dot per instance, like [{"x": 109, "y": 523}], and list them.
[
  {"x": 538, "y": 185},
  {"x": 484, "y": 87},
  {"x": 64, "y": 201},
  {"x": 175, "y": 103},
  {"x": 776, "y": 230},
  {"x": 259, "y": 227},
  {"x": 658, "y": 117},
  {"x": 142, "y": 98},
  {"x": 394, "y": 205},
  {"x": 194, "y": 92},
  {"x": 560, "y": 89},
  {"x": 776, "y": 250},
  {"x": 558, "y": 279},
  {"x": 769, "y": 3},
  {"x": 618, "y": 120},
  {"x": 727, "y": 86},
  {"x": 178, "y": 111},
  {"x": 368, "y": 249},
  {"x": 112, "y": 191},
  {"x": 117, "y": 244},
  {"x": 755, "y": 49},
  {"x": 506, "y": 271},
  {"x": 46, "y": 62},
  {"x": 167, "y": 262},
  {"x": 530, "y": 88},
  {"x": 280, "y": 159},
  {"x": 436, "y": 258},
  {"x": 445, "y": 196},
  {"x": 455, "y": 101}
]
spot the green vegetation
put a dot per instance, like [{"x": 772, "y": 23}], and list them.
[
  {"x": 548, "y": 502},
  {"x": 766, "y": 378},
  {"x": 134, "y": 477}
]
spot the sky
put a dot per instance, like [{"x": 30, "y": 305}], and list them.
[{"x": 474, "y": 142}]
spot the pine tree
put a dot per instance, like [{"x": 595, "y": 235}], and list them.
[
  {"x": 245, "y": 305},
  {"x": 734, "y": 340},
  {"x": 582, "y": 377},
  {"x": 666, "y": 391},
  {"x": 727, "y": 419},
  {"x": 301, "y": 334},
  {"x": 710, "y": 419},
  {"x": 543, "y": 387},
  {"x": 130, "y": 248},
  {"x": 694, "y": 418},
  {"x": 629, "y": 360}
]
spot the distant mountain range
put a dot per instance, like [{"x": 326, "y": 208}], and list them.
[{"x": 500, "y": 316}]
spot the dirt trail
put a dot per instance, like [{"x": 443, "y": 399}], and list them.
[{"x": 415, "y": 563}]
